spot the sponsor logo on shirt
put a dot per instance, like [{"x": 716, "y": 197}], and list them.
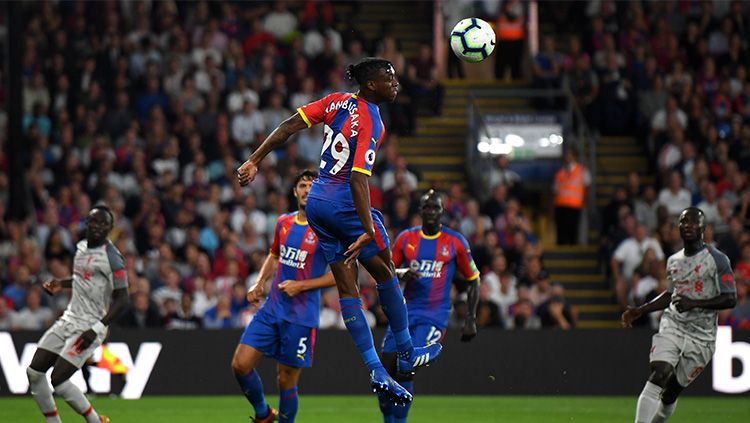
[
  {"x": 292, "y": 257},
  {"x": 428, "y": 268}
]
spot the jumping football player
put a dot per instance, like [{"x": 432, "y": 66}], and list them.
[
  {"x": 339, "y": 211},
  {"x": 100, "y": 295},
  {"x": 431, "y": 253},
  {"x": 700, "y": 284},
  {"x": 285, "y": 326}
]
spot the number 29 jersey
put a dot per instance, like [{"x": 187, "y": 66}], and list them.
[{"x": 352, "y": 134}]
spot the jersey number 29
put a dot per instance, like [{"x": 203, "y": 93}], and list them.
[{"x": 339, "y": 150}]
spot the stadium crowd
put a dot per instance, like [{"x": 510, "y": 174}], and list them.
[
  {"x": 677, "y": 72},
  {"x": 148, "y": 107}
]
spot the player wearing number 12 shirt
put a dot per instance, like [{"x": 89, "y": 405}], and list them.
[
  {"x": 338, "y": 210},
  {"x": 432, "y": 254}
]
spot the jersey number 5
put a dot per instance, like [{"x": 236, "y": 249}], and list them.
[{"x": 339, "y": 150}]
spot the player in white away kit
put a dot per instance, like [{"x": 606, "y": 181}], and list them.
[
  {"x": 100, "y": 295},
  {"x": 700, "y": 284}
]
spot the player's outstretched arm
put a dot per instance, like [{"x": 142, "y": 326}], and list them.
[
  {"x": 633, "y": 313},
  {"x": 255, "y": 293},
  {"x": 53, "y": 286},
  {"x": 361, "y": 196},
  {"x": 469, "y": 330},
  {"x": 292, "y": 287},
  {"x": 247, "y": 171},
  {"x": 719, "y": 302}
]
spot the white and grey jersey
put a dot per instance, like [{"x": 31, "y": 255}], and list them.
[
  {"x": 96, "y": 273},
  {"x": 702, "y": 276}
]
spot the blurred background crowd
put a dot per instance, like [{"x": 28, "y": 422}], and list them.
[{"x": 149, "y": 107}]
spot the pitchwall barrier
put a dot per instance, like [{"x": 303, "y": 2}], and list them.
[{"x": 581, "y": 362}]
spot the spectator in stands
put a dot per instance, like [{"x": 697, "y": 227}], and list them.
[
  {"x": 511, "y": 36},
  {"x": 426, "y": 90},
  {"x": 522, "y": 312},
  {"x": 488, "y": 313},
  {"x": 674, "y": 197},
  {"x": 34, "y": 316},
  {"x": 571, "y": 183},
  {"x": 496, "y": 205},
  {"x": 628, "y": 256},
  {"x": 556, "y": 312},
  {"x": 739, "y": 316},
  {"x": 141, "y": 313},
  {"x": 7, "y": 314},
  {"x": 221, "y": 316},
  {"x": 501, "y": 174},
  {"x": 645, "y": 209}
]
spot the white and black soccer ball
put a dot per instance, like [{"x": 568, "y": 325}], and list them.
[{"x": 472, "y": 40}]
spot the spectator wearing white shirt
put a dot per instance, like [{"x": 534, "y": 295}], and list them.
[
  {"x": 674, "y": 197},
  {"x": 645, "y": 208},
  {"x": 671, "y": 110},
  {"x": 34, "y": 316},
  {"x": 247, "y": 127},
  {"x": 280, "y": 22},
  {"x": 241, "y": 94},
  {"x": 628, "y": 256},
  {"x": 502, "y": 285},
  {"x": 709, "y": 205}
]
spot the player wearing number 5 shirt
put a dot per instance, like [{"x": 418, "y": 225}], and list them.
[{"x": 338, "y": 210}]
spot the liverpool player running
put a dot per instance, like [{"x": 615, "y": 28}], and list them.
[
  {"x": 339, "y": 211},
  {"x": 100, "y": 295},
  {"x": 284, "y": 328},
  {"x": 431, "y": 253},
  {"x": 700, "y": 283}
]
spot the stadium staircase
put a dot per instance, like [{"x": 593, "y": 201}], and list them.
[{"x": 437, "y": 149}]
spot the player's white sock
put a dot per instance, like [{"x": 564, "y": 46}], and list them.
[
  {"x": 648, "y": 403},
  {"x": 42, "y": 393},
  {"x": 77, "y": 401},
  {"x": 664, "y": 412}
]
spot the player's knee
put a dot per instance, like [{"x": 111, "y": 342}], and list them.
[
  {"x": 239, "y": 366},
  {"x": 660, "y": 373},
  {"x": 58, "y": 377},
  {"x": 287, "y": 378},
  {"x": 33, "y": 375},
  {"x": 672, "y": 391}
]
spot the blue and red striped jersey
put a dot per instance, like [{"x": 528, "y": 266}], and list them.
[
  {"x": 436, "y": 259},
  {"x": 296, "y": 247},
  {"x": 352, "y": 134}
]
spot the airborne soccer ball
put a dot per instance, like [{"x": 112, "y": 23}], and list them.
[{"x": 472, "y": 40}]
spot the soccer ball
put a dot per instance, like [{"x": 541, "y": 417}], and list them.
[{"x": 472, "y": 40}]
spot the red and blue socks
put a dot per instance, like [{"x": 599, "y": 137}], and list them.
[{"x": 288, "y": 405}]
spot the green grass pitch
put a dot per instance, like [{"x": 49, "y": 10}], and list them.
[{"x": 361, "y": 409}]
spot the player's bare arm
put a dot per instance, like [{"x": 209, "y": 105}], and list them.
[
  {"x": 469, "y": 331},
  {"x": 256, "y": 292},
  {"x": 292, "y": 288},
  {"x": 719, "y": 302},
  {"x": 120, "y": 301},
  {"x": 407, "y": 275},
  {"x": 53, "y": 286},
  {"x": 633, "y": 313},
  {"x": 361, "y": 196},
  {"x": 247, "y": 171}
]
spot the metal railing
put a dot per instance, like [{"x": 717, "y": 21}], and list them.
[{"x": 575, "y": 126}]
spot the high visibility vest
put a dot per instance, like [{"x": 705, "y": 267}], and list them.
[
  {"x": 570, "y": 187},
  {"x": 509, "y": 30}
]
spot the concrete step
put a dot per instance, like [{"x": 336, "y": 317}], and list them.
[
  {"x": 444, "y": 175},
  {"x": 571, "y": 263},
  {"x": 579, "y": 278},
  {"x": 598, "y": 308},
  {"x": 589, "y": 293},
  {"x": 598, "y": 324},
  {"x": 437, "y": 160},
  {"x": 453, "y": 149}
]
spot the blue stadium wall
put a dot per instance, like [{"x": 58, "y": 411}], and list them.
[{"x": 583, "y": 362}]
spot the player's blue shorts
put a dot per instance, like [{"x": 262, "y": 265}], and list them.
[
  {"x": 337, "y": 228},
  {"x": 421, "y": 335},
  {"x": 288, "y": 343}
]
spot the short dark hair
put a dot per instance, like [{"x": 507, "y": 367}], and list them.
[
  {"x": 366, "y": 69},
  {"x": 105, "y": 209},
  {"x": 305, "y": 173}
]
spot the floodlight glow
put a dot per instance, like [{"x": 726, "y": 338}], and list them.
[{"x": 514, "y": 140}]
